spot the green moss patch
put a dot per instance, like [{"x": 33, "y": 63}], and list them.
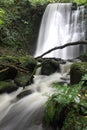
[{"x": 77, "y": 71}]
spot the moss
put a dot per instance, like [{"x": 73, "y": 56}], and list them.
[
  {"x": 28, "y": 62},
  {"x": 6, "y": 86},
  {"x": 77, "y": 71},
  {"x": 23, "y": 79}
]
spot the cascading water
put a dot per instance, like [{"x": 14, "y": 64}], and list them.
[
  {"x": 61, "y": 24},
  {"x": 27, "y": 113}
]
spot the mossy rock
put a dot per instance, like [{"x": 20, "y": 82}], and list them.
[
  {"x": 23, "y": 79},
  {"x": 74, "y": 121},
  {"x": 83, "y": 57},
  {"x": 9, "y": 59},
  {"x": 49, "y": 66},
  {"x": 6, "y": 86},
  {"x": 7, "y": 73},
  {"x": 28, "y": 62},
  {"x": 77, "y": 71}
]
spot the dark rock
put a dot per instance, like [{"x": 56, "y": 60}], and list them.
[
  {"x": 77, "y": 71},
  {"x": 49, "y": 67},
  {"x": 23, "y": 79},
  {"x": 74, "y": 6},
  {"x": 7, "y": 86},
  {"x": 24, "y": 93},
  {"x": 7, "y": 73}
]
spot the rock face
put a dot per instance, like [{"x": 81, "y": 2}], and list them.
[
  {"x": 19, "y": 69},
  {"x": 77, "y": 71}
]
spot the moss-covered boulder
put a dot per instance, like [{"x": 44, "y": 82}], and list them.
[
  {"x": 28, "y": 62},
  {"x": 49, "y": 66},
  {"x": 23, "y": 79},
  {"x": 18, "y": 68},
  {"x": 6, "y": 86},
  {"x": 77, "y": 71},
  {"x": 19, "y": 61}
]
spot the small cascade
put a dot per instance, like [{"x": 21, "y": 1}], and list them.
[
  {"x": 27, "y": 113},
  {"x": 60, "y": 25}
]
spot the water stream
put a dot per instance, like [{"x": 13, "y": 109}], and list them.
[{"x": 27, "y": 113}]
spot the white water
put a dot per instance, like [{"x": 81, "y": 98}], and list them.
[
  {"x": 60, "y": 25},
  {"x": 27, "y": 113}
]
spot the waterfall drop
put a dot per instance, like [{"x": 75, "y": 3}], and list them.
[{"x": 60, "y": 25}]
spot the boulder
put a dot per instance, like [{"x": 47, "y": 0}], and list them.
[
  {"x": 24, "y": 93},
  {"x": 23, "y": 79},
  {"x": 17, "y": 68},
  {"x": 77, "y": 71},
  {"x": 28, "y": 62},
  {"x": 7, "y": 87},
  {"x": 49, "y": 66}
]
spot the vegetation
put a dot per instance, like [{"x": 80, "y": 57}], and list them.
[{"x": 67, "y": 108}]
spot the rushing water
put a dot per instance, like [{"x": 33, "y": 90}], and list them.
[
  {"x": 60, "y": 25},
  {"x": 27, "y": 113}
]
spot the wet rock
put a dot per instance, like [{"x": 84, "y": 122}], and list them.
[
  {"x": 23, "y": 79},
  {"x": 7, "y": 86},
  {"x": 49, "y": 67},
  {"x": 24, "y": 93}
]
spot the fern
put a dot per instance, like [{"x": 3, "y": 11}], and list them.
[{"x": 66, "y": 99}]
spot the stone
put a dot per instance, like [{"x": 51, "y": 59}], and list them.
[
  {"x": 24, "y": 93},
  {"x": 7, "y": 87},
  {"x": 49, "y": 66}
]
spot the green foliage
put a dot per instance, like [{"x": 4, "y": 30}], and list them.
[
  {"x": 52, "y": 1},
  {"x": 66, "y": 100}
]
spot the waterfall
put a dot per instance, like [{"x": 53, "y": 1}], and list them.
[{"x": 60, "y": 25}]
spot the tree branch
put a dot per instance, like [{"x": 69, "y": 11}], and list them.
[{"x": 63, "y": 46}]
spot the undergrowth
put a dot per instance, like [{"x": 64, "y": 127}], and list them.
[{"x": 67, "y": 108}]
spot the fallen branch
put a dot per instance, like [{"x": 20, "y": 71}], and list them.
[
  {"x": 19, "y": 68},
  {"x": 63, "y": 46}
]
